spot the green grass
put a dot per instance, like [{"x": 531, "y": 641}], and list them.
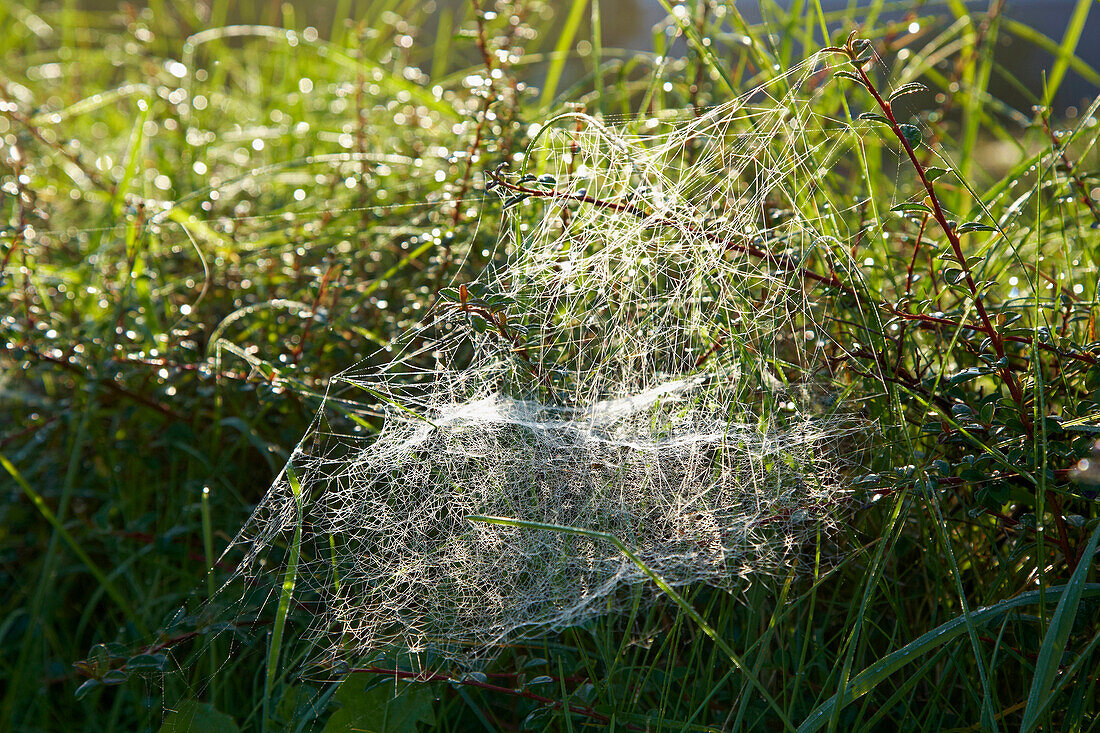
[{"x": 204, "y": 223}]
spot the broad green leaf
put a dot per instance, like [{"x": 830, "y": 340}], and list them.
[{"x": 368, "y": 706}]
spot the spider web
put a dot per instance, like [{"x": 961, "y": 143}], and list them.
[{"x": 642, "y": 365}]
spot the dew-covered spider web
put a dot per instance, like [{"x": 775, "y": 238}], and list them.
[{"x": 646, "y": 363}]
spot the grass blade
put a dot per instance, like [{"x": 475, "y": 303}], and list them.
[
  {"x": 878, "y": 672},
  {"x": 697, "y": 43},
  {"x": 597, "y": 55},
  {"x": 1029, "y": 34},
  {"x": 561, "y": 52},
  {"x": 284, "y": 598},
  {"x": 62, "y": 532},
  {"x": 1054, "y": 642},
  {"x": 1066, "y": 49}
]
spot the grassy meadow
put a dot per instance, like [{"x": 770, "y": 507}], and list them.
[{"x": 207, "y": 215}]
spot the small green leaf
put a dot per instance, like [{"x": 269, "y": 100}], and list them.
[
  {"x": 910, "y": 88},
  {"x": 973, "y": 226},
  {"x": 872, "y": 117},
  {"x": 537, "y": 719},
  {"x": 146, "y": 661},
  {"x": 967, "y": 375},
  {"x": 953, "y": 275},
  {"x": 99, "y": 658},
  {"x": 84, "y": 689},
  {"x": 498, "y": 300},
  {"x": 912, "y": 135},
  {"x": 116, "y": 650},
  {"x": 934, "y": 173},
  {"x": 910, "y": 206},
  {"x": 114, "y": 677},
  {"x": 850, "y": 75}
]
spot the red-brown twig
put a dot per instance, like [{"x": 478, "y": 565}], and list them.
[
  {"x": 106, "y": 382},
  {"x": 942, "y": 322},
  {"x": 853, "y": 50},
  {"x": 779, "y": 261},
  {"x": 297, "y": 352}
]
